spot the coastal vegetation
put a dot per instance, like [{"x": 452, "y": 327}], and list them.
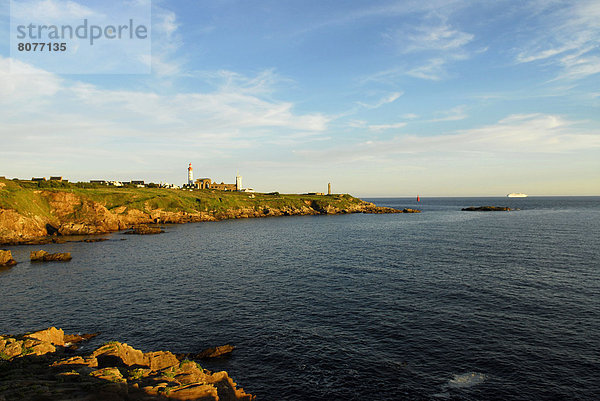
[{"x": 30, "y": 210}]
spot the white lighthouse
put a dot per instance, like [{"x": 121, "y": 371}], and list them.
[
  {"x": 190, "y": 175},
  {"x": 238, "y": 182}
]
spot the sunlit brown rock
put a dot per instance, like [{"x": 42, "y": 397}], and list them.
[
  {"x": 114, "y": 371},
  {"x": 51, "y": 335},
  {"x": 6, "y": 259},
  {"x": 43, "y": 256}
]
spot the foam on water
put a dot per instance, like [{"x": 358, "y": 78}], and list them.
[{"x": 469, "y": 379}]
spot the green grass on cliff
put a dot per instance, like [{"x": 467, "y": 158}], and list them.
[
  {"x": 25, "y": 198},
  {"x": 26, "y": 201}
]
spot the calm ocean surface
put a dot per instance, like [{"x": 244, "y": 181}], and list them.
[{"x": 443, "y": 305}]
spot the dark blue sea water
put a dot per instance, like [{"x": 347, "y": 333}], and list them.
[{"x": 443, "y": 305}]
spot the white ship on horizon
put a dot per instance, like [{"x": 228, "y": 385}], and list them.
[{"x": 516, "y": 195}]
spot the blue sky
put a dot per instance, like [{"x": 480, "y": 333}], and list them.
[{"x": 380, "y": 98}]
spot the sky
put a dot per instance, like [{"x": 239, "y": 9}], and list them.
[{"x": 378, "y": 98}]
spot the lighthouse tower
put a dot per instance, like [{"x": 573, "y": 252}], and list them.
[
  {"x": 238, "y": 182},
  {"x": 190, "y": 175}
]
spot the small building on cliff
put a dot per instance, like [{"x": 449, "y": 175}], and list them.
[{"x": 207, "y": 183}]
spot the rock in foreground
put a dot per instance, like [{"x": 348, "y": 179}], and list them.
[
  {"x": 6, "y": 259},
  {"x": 486, "y": 209},
  {"x": 36, "y": 367},
  {"x": 43, "y": 256}
]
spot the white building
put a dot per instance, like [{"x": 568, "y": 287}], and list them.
[
  {"x": 238, "y": 182},
  {"x": 190, "y": 175}
]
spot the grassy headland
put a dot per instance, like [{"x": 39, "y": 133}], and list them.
[{"x": 30, "y": 210}]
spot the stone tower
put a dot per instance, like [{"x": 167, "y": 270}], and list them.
[{"x": 329, "y": 189}]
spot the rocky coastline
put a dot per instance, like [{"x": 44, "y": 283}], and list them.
[
  {"x": 47, "y": 365},
  {"x": 51, "y": 215}
]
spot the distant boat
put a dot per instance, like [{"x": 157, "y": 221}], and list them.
[{"x": 517, "y": 195}]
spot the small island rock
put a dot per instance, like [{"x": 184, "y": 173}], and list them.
[
  {"x": 43, "y": 256},
  {"x": 487, "y": 209},
  {"x": 143, "y": 229},
  {"x": 6, "y": 259}
]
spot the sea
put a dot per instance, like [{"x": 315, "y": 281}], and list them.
[{"x": 441, "y": 305}]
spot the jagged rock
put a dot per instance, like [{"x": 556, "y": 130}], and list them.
[
  {"x": 77, "y": 338},
  {"x": 51, "y": 335},
  {"x": 144, "y": 230},
  {"x": 160, "y": 360},
  {"x": 486, "y": 209},
  {"x": 115, "y": 354},
  {"x": 194, "y": 391},
  {"x": 118, "y": 378},
  {"x": 215, "y": 352},
  {"x": 110, "y": 374},
  {"x": 6, "y": 259}
]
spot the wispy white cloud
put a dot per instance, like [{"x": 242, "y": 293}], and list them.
[
  {"x": 433, "y": 69},
  {"x": 515, "y": 134},
  {"x": 383, "y": 127},
  {"x": 454, "y": 114},
  {"x": 52, "y": 10},
  {"x": 387, "y": 9},
  {"x": 67, "y": 118},
  {"x": 26, "y": 84},
  {"x": 565, "y": 35},
  {"x": 357, "y": 123},
  {"x": 410, "y": 116},
  {"x": 429, "y": 47},
  {"x": 427, "y": 37},
  {"x": 392, "y": 97},
  {"x": 166, "y": 41}
]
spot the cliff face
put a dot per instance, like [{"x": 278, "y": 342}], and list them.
[{"x": 28, "y": 214}]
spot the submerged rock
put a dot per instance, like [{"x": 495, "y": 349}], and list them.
[
  {"x": 114, "y": 371},
  {"x": 6, "y": 259},
  {"x": 144, "y": 230},
  {"x": 487, "y": 209},
  {"x": 43, "y": 256},
  {"x": 214, "y": 352},
  {"x": 94, "y": 240}
]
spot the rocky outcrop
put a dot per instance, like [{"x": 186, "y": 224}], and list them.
[
  {"x": 16, "y": 228},
  {"x": 486, "y": 209},
  {"x": 43, "y": 256},
  {"x": 70, "y": 212},
  {"x": 144, "y": 230},
  {"x": 35, "y": 367},
  {"x": 6, "y": 259}
]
